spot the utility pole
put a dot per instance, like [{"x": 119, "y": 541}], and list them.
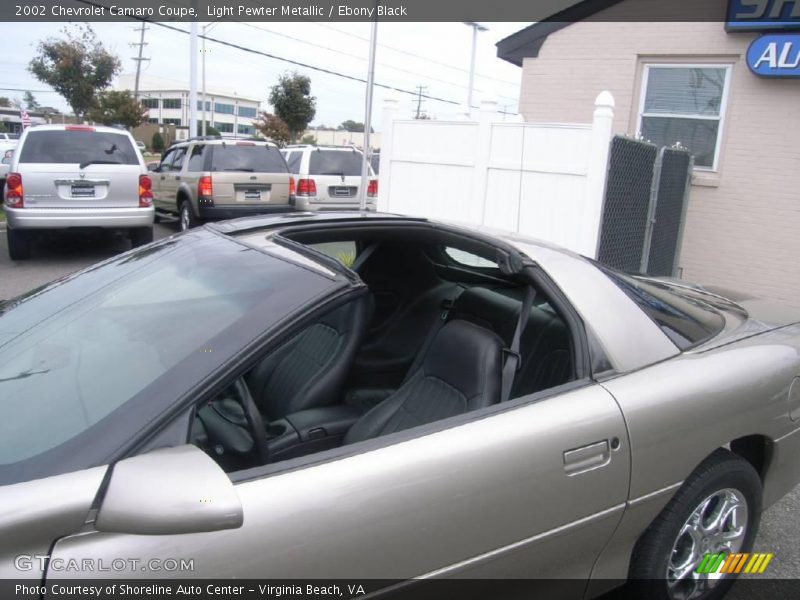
[
  {"x": 421, "y": 90},
  {"x": 476, "y": 27},
  {"x": 139, "y": 60},
  {"x": 365, "y": 159}
]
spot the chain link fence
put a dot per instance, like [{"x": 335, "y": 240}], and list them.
[{"x": 644, "y": 207}]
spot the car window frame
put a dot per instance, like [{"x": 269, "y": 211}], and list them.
[
  {"x": 582, "y": 371},
  {"x": 180, "y": 154}
]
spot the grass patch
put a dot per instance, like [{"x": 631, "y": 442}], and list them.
[{"x": 2, "y": 214}]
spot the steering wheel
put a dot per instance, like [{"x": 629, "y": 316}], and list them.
[{"x": 254, "y": 420}]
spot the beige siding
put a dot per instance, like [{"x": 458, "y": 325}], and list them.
[{"x": 743, "y": 225}]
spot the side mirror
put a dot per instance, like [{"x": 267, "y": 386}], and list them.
[{"x": 169, "y": 491}]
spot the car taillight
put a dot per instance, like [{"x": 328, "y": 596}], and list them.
[
  {"x": 372, "y": 188},
  {"x": 204, "y": 187},
  {"x": 145, "y": 191},
  {"x": 292, "y": 186},
  {"x": 14, "y": 193},
  {"x": 79, "y": 128},
  {"x": 306, "y": 187}
]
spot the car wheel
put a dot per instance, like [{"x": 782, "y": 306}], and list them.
[
  {"x": 141, "y": 236},
  {"x": 19, "y": 244},
  {"x": 186, "y": 217},
  {"x": 717, "y": 509}
]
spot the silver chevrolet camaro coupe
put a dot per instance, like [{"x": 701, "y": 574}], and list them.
[{"x": 386, "y": 398}]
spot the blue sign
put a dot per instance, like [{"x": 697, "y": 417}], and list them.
[
  {"x": 763, "y": 15},
  {"x": 775, "y": 55}
]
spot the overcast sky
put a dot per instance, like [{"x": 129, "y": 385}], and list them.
[{"x": 435, "y": 55}]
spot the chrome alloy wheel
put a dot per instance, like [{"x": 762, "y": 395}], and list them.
[{"x": 717, "y": 524}]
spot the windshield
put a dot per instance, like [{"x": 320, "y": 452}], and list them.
[
  {"x": 137, "y": 330},
  {"x": 683, "y": 317},
  {"x": 255, "y": 158},
  {"x": 335, "y": 162},
  {"x": 81, "y": 146}
]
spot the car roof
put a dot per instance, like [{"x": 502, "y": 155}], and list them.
[
  {"x": 224, "y": 142},
  {"x": 64, "y": 126}
]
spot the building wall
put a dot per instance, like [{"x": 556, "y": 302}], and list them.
[{"x": 743, "y": 222}]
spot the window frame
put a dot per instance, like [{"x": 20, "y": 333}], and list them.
[{"x": 727, "y": 67}]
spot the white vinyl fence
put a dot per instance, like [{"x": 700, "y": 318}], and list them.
[{"x": 540, "y": 179}]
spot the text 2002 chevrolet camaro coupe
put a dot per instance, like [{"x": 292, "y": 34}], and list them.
[{"x": 377, "y": 397}]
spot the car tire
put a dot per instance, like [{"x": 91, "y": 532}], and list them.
[
  {"x": 141, "y": 236},
  {"x": 680, "y": 535},
  {"x": 186, "y": 218},
  {"x": 19, "y": 244}
]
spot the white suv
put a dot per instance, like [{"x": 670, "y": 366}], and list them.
[
  {"x": 76, "y": 176},
  {"x": 328, "y": 177}
]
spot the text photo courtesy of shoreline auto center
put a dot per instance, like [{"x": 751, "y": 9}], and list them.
[{"x": 322, "y": 299}]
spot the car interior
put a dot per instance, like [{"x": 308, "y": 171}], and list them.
[{"x": 430, "y": 335}]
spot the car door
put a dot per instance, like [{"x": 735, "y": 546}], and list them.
[
  {"x": 172, "y": 180},
  {"x": 529, "y": 489},
  {"x": 159, "y": 178}
]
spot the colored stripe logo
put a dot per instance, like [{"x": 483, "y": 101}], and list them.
[{"x": 734, "y": 563}]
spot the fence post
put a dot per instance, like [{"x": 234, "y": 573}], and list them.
[
  {"x": 597, "y": 170},
  {"x": 384, "y": 174},
  {"x": 486, "y": 117}
]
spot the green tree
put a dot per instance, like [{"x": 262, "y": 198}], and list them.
[
  {"x": 3, "y": 127},
  {"x": 209, "y": 130},
  {"x": 308, "y": 139},
  {"x": 117, "y": 108},
  {"x": 77, "y": 66},
  {"x": 157, "y": 142},
  {"x": 30, "y": 100},
  {"x": 293, "y": 102},
  {"x": 273, "y": 127},
  {"x": 5, "y": 102},
  {"x": 353, "y": 126}
]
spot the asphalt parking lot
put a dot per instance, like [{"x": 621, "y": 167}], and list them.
[{"x": 61, "y": 255}]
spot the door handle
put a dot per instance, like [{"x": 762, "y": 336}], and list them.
[
  {"x": 177, "y": 177},
  {"x": 163, "y": 177},
  {"x": 586, "y": 458}
]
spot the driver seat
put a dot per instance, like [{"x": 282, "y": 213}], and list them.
[
  {"x": 462, "y": 371},
  {"x": 310, "y": 369}
]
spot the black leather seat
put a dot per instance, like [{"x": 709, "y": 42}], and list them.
[
  {"x": 461, "y": 372},
  {"x": 545, "y": 345},
  {"x": 310, "y": 369}
]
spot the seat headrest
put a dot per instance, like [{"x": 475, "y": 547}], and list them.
[
  {"x": 467, "y": 357},
  {"x": 488, "y": 309}
]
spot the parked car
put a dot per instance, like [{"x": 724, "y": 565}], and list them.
[
  {"x": 141, "y": 146},
  {"x": 9, "y": 136},
  {"x": 6, "y": 152},
  {"x": 329, "y": 177},
  {"x": 211, "y": 179},
  {"x": 451, "y": 404},
  {"x": 76, "y": 176}
]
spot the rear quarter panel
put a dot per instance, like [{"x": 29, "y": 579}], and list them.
[{"x": 680, "y": 410}]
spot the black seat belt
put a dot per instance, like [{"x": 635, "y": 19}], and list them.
[
  {"x": 513, "y": 358},
  {"x": 447, "y": 304}
]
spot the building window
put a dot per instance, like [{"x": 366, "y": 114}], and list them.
[
  {"x": 172, "y": 122},
  {"x": 200, "y": 105},
  {"x": 171, "y": 103},
  {"x": 155, "y": 121},
  {"x": 224, "y": 127},
  {"x": 685, "y": 104},
  {"x": 223, "y": 109},
  {"x": 247, "y": 129},
  {"x": 150, "y": 102},
  {"x": 247, "y": 111}
]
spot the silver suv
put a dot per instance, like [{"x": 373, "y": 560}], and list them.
[
  {"x": 76, "y": 176},
  {"x": 328, "y": 177},
  {"x": 209, "y": 179}
]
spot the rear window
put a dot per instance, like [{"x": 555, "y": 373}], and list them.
[
  {"x": 335, "y": 162},
  {"x": 256, "y": 159},
  {"x": 83, "y": 147},
  {"x": 684, "y": 318}
]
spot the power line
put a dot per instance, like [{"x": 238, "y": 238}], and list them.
[
  {"x": 283, "y": 59},
  {"x": 356, "y": 56},
  {"x": 419, "y": 56}
]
